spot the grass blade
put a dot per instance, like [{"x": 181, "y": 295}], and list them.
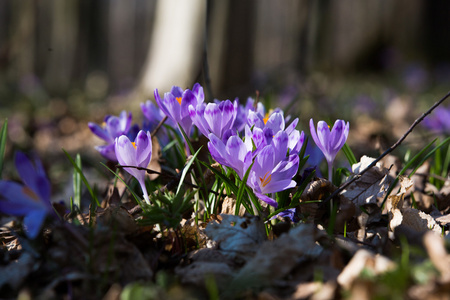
[
  {"x": 406, "y": 167},
  {"x": 80, "y": 172},
  {"x": 186, "y": 169},
  {"x": 77, "y": 183},
  {"x": 349, "y": 154},
  {"x": 241, "y": 190}
]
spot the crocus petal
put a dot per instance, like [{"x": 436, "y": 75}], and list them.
[
  {"x": 100, "y": 132},
  {"x": 143, "y": 148},
  {"x": 291, "y": 126},
  {"x": 255, "y": 119},
  {"x": 126, "y": 156},
  {"x": 125, "y": 120},
  {"x": 160, "y": 103},
  {"x": 18, "y": 200},
  {"x": 280, "y": 142},
  {"x": 107, "y": 151},
  {"x": 276, "y": 122},
  {"x": 197, "y": 89},
  {"x": 176, "y": 91},
  {"x": 266, "y": 199},
  {"x": 278, "y": 186},
  {"x": 228, "y": 111},
  {"x": 33, "y": 222},
  {"x": 33, "y": 175},
  {"x": 197, "y": 117},
  {"x": 212, "y": 118},
  {"x": 236, "y": 152}
]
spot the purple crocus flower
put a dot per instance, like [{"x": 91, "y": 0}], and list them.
[
  {"x": 242, "y": 113},
  {"x": 113, "y": 127},
  {"x": 439, "y": 121},
  {"x": 137, "y": 154},
  {"x": 214, "y": 118},
  {"x": 175, "y": 104},
  {"x": 270, "y": 126},
  {"x": 270, "y": 175},
  {"x": 330, "y": 142},
  {"x": 31, "y": 200},
  {"x": 234, "y": 153}
]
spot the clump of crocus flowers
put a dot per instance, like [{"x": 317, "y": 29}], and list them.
[{"x": 244, "y": 138}]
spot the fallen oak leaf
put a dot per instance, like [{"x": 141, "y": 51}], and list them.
[
  {"x": 410, "y": 218},
  {"x": 276, "y": 259},
  {"x": 237, "y": 236},
  {"x": 372, "y": 185},
  {"x": 363, "y": 259}
]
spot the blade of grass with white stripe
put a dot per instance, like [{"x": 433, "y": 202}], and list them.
[
  {"x": 241, "y": 190},
  {"x": 80, "y": 172},
  {"x": 444, "y": 142},
  {"x": 77, "y": 183},
  {"x": 349, "y": 154},
  {"x": 186, "y": 169}
]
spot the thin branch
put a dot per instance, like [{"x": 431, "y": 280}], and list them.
[
  {"x": 389, "y": 150},
  {"x": 174, "y": 178},
  {"x": 155, "y": 131}
]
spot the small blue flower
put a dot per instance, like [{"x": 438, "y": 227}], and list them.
[{"x": 31, "y": 200}]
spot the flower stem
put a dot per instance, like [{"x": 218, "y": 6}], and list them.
[{"x": 330, "y": 172}]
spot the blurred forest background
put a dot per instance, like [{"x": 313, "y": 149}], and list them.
[{"x": 64, "y": 63}]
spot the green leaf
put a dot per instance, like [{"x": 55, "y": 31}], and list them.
[
  {"x": 241, "y": 190},
  {"x": 406, "y": 167},
  {"x": 80, "y": 172},
  {"x": 77, "y": 183},
  {"x": 224, "y": 178},
  {"x": 186, "y": 169},
  {"x": 438, "y": 147},
  {"x": 349, "y": 154}
]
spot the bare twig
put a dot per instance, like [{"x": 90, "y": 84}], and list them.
[
  {"x": 158, "y": 127},
  {"x": 389, "y": 150},
  {"x": 175, "y": 179}
]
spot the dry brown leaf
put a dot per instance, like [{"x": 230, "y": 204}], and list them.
[
  {"x": 237, "y": 236},
  {"x": 438, "y": 255},
  {"x": 315, "y": 190},
  {"x": 229, "y": 207},
  {"x": 275, "y": 259},
  {"x": 372, "y": 185},
  {"x": 197, "y": 272},
  {"x": 116, "y": 218},
  {"x": 408, "y": 217},
  {"x": 363, "y": 259}
]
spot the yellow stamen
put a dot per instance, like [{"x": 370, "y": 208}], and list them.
[
  {"x": 264, "y": 180},
  {"x": 266, "y": 118},
  {"x": 134, "y": 144},
  {"x": 179, "y": 100}
]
